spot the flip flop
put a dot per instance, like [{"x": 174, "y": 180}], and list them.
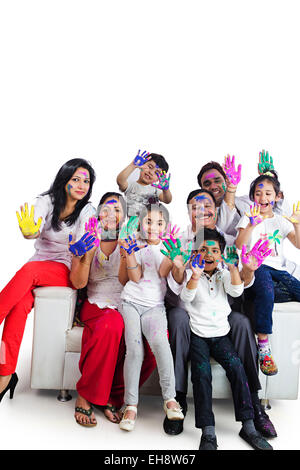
[
  {"x": 113, "y": 410},
  {"x": 88, "y": 413}
]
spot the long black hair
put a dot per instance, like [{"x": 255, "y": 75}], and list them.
[{"x": 58, "y": 194}]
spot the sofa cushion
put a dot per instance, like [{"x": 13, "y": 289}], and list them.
[{"x": 73, "y": 339}]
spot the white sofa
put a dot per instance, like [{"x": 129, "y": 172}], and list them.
[{"x": 57, "y": 343}]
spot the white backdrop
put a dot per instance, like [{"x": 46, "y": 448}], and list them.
[{"x": 192, "y": 80}]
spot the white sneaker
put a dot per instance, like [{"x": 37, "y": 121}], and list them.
[
  {"x": 128, "y": 424},
  {"x": 173, "y": 414}
]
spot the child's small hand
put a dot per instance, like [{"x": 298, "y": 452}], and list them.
[
  {"x": 130, "y": 228},
  {"x": 173, "y": 249},
  {"x": 295, "y": 217},
  {"x": 232, "y": 258},
  {"x": 256, "y": 256},
  {"x": 94, "y": 228},
  {"x": 82, "y": 246},
  {"x": 163, "y": 181},
  {"x": 140, "y": 160},
  {"x": 170, "y": 233},
  {"x": 233, "y": 175},
  {"x": 265, "y": 164},
  {"x": 130, "y": 245},
  {"x": 26, "y": 221},
  {"x": 254, "y": 216},
  {"x": 197, "y": 265}
]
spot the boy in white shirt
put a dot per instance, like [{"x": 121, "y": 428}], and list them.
[{"x": 205, "y": 298}]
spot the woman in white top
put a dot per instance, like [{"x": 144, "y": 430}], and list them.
[
  {"x": 56, "y": 215},
  {"x": 103, "y": 347}
]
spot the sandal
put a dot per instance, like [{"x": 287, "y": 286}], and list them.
[
  {"x": 87, "y": 413},
  {"x": 113, "y": 410}
]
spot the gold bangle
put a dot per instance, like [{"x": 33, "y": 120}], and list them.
[{"x": 232, "y": 192}]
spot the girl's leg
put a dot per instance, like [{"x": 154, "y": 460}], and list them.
[
  {"x": 16, "y": 301},
  {"x": 154, "y": 327},
  {"x": 102, "y": 335},
  {"x": 134, "y": 352}
]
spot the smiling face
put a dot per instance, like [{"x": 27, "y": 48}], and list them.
[
  {"x": 202, "y": 212},
  {"x": 265, "y": 195},
  {"x": 78, "y": 186},
  {"x": 153, "y": 225},
  {"x": 211, "y": 252},
  {"x": 213, "y": 181},
  {"x": 111, "y": 214},
  {"x": 148, "y": 174}
]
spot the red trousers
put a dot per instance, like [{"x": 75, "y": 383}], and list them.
[
  {"x": 16, "y": 302},
  {"x": 102, "y": 356}
]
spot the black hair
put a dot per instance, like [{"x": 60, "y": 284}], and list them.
[
  {"x": 198, "y": 191},
  {"x": 272, "y": 179},
  {"x": 160, "y": 161},
  {"x": 112, "y": 194},
  {"x": 158, "y": 207},
  {"x": 210, "y": 234},
  {"x": 210, "y": 166},
  {"x": 58, "y": 194}
]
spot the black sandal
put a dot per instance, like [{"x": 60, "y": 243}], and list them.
[
  {"x": 113, "y": 410},
  {"x": 87, "y": 413}
]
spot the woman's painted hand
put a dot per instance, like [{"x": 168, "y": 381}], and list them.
[
  {"x": 26, "y": 221},
  {"x": 82, "y": 246}
]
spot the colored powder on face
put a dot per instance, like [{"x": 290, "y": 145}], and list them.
[
  {"x": 84, "y": 173},
  {"x": 201, "y": 198},
  {"x": 69, "y": 188},
  {"x": 261, "y": 185},
  {"x": 111, "y": 201},
  {"x": 224, "y": 187},
  {"x": 210, "y": 243},
  {"x": 211, "y": 175}
]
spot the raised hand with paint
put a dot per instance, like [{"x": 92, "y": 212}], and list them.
[
  {"x": 163, "y": 181},
  {"x": 197, "y": 265},
  {"x": 265, "y": 162},
  {"x": 254, "y": 216},
  {"x": 233, "y": 174},
  {"x": 131, "y": 246},
  {"x": 130, "y": 228},
  {"x": 141, "y": 159},
  {"x": 295, "y": 217},
  {"x": 149, "y": 187},
  {"x": 27, "y": 225},
  {"x": 256, "y": 256},
  {"x": 82, "y": 246},
  {"x": 93, "y": 227},
  {"x": 231, "y": 258}
]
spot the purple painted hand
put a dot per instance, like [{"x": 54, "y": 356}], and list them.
[
  {"x": 232, "y": 174},
  {"x": 256, "y": 256},
  {"x": 254, "y": 216}
]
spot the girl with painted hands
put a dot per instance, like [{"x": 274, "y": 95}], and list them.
[
  {"x": 103, "y": 349},
  {"x": 144, "y": 313},
  {"x": 57, "y": 215},
  {"x": 262, "y": 222}
]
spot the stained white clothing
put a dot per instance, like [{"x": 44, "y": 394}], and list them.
[
  {"x": 104, "y": 288},
  {"x": 207, "y": 305},
  {"x": 137, "y": 196},
  {"x": 151, "y": 288},
  {"x": 274, "y": 229},
  {"x": 54, "y": 245}
]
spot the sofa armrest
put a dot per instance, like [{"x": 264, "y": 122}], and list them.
[{"x": 54, "y": 309}]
